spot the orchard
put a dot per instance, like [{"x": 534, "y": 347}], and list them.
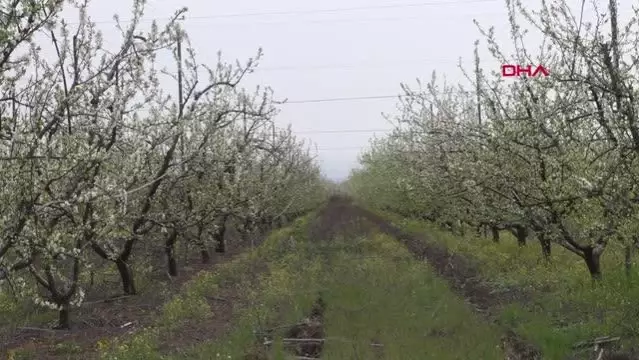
[{"x": 102, "y": 161}]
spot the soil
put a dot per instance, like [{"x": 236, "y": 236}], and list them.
[
  {"x": 340, "y": 218},
  {"x": 117, "y": 315},
  {"x": 309, "y": 333}
]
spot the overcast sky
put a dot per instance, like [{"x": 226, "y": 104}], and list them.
[{"x": 333, "y": 49}]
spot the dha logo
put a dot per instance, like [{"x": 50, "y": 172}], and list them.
[{"x": 517, "y": 71}]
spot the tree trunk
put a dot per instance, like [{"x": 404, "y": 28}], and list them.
[
  {"x": 220, "y": 246},
  {"x": 128, "y": 286},
  {"x": 495, "y": 232},
  {"x": 220, "y": 243},
  {"x": 204, "y": 255},
  {"x": 521, "y": 233},
  {"x": 545, "y": 246},
  {"x": 204, "y": 252},
  {"x": 64, "y": 318},
  {"x": 479, "y": 230},
  {"x": 592, "y": 258},
  {"x": 126, "y": 276},
  {"x": 185, "y": 250},
  {"x": 169, "y": 249},
  {"x": 248, "y": 229}
]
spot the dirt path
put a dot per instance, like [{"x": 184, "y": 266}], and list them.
[{"x": 460, "y": 272}]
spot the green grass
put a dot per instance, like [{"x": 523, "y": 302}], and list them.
[
  {"x": 385, "y": 295},
  {"x": 565, "y": 307},
  {"x": 373, "y": 289},
  {"x": 267, "y": 293}
]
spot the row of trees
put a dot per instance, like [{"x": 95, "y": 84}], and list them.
[
  {"x": 101, "y": 151},
  {"x": 552, "y": 156}
]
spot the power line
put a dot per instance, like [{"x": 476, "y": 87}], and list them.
[
  {"x": 366, "y": 148},
  {"x": 356, "y": 65},
  {"x": 346, "y": 9},
  {"x": 353, "y": 98},
  {"x": 322, "y": 21},
  {"x": 349, "y": 131},
  {"x": 343, "y": 148},
  {"x": 316, "y": 11},
  {"x": 346, "y": 98}
]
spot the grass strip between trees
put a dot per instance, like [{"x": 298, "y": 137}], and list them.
[
  {"x": 565, "y": 307},
  {"x": 380, "y": 303}
]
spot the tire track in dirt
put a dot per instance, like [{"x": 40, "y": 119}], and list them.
[
  {"x": 460, "y": 272},
  {"x": 305, "y": 340}
]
